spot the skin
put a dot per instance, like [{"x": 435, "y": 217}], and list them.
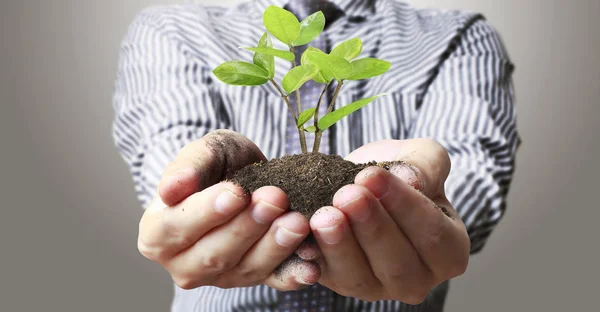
[{"x": 384, "y": 237}]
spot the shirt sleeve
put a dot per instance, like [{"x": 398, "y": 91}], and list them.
[
  {"x": 469, "y": 109},
  {"x": 163, "y": 99}
]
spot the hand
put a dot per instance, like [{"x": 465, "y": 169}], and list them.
[
  {"x": 392, "y": 235},
  {"x": 214, "y": 234}
]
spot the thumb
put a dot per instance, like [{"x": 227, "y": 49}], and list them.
[
  {"x": 426, "y": 167},
  {"x": 204, "y": 162}
]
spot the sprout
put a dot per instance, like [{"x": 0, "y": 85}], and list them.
[{"x": 339, "y": 65}]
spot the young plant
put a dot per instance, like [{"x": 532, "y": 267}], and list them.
[{"x": 339, "y": 65}]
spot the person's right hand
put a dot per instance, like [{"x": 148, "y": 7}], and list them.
[{"x": 209, "y": 233}]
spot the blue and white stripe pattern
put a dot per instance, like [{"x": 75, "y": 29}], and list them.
[{"x": 450, "y": 81}]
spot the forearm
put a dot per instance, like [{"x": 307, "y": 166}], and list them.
[
  {"x": 469, "y": 109},
  {"x": 157, "y": 110}
]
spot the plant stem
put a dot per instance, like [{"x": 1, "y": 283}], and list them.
[
  {"x": 319, "y": 132},
  {"x": 317, "y": 143},
  {"x": 299, "y": 111},
  {"x": 335, "y": 94},
  {"x": 298, "y": 103},
  {"x": 286, "y": 99}
]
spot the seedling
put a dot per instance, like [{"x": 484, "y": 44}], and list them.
[{"x": 336, "y": 67}]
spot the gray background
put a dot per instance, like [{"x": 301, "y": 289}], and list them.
[{"x": 68, "y": 222}]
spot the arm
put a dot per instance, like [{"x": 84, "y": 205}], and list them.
[
  {"x": 203, "y": 232},
  {"x": 405, "y": 231},
  {"x": 469, "y": 109},
  {"x": 162, "y": 101}
]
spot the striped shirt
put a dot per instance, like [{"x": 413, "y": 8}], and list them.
[{"x": 450, "y": 80}]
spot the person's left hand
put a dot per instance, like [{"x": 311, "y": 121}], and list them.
[{"x": 392, "y": 235}]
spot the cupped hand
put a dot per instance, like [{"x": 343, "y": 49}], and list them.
[
  {"x": 206, "y": 232},
  {"x": 392, "y": 235}
]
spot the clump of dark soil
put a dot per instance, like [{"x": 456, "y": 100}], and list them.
[{"x": 310, "y": 180}]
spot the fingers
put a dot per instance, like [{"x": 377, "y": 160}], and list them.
[
  {"x": 260, "y": 264},
  {"x": 439, "y": 240},
  {"x": 393, "y": 259},
  {"x": 164, "y": 231},
  {"x": 273, "y": 256},
  {"x": 219, "y": 250},
  {"x": 205, "y": 162},
  {"x": 283, "y": 237},
  {"x": 343, "y": 256},
  {"x": 294, "y": 274},
  {"x": 206, "y": 240},
  {"x": 309, "y": 249}
]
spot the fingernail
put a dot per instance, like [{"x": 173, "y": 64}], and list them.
[
  {"x": 264, "y": 213},
  {"x": 228, "y": 202},
  {"x": 356, "y": 214},
  {"x": 287, "y": 238},
  {"x": 331, "y": 235},
  {"x": 181, "y": 174},
  {"x": 380, "y": 187},
  {"x": 300, "y": 280}
]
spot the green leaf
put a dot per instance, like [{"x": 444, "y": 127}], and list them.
[
  {"x": 305, "y": 116},
  {"x": 240, "y": 73},
  {"x": 333, "y": 117},
  {"x": 330, "y": 65},
  {"x": 265, "y": 61},
  {"x": 368, "y": 67},
  {"x": 297, "y": 76},
  {"x": 286, "y": 55},
  {"x": 320, "y": 77},
  {"x": 303, "y": 58},
  {"x": 282, "y": 24},
  {"x": 348, "y": 49},
  {"x": 310, "y": 129},
  {"x": 310, "y": 28}
]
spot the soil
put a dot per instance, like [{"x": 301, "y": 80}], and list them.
[{"x": 310, "y": 180}]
